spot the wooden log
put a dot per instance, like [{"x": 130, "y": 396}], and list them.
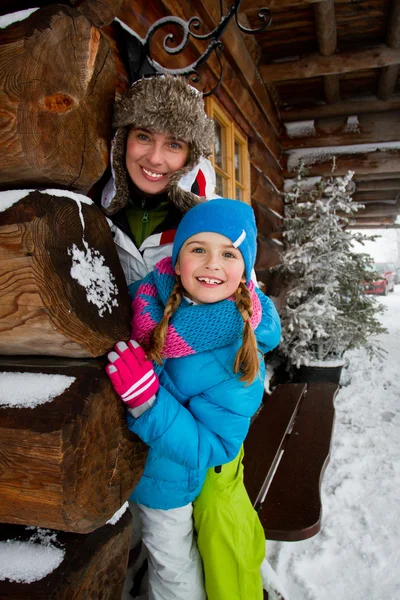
[
  {"x": 315, "y": 65},
  {"x": 263, "y": 192},
  {"x": 381, "y": 195},
  {"x": 363, "y": 163},
  {"x": 263, "y": 160},
  {"x": 372, "y": 222},
  {"x": 57, "y": 91},
  {"x": 98, "y": 12},
  {"x": 387, "y": 82},
  {"x": 378, "y": 186},
  {"x": 334, "y": 131},
  {"x": 69, "y": 463},
  {"x": 268, "y": 221},
  {"x": 62, "y": 288},
  {"x": 325, "y": 27},
  {"x": 379, "y": 210},
  {"x": 354, "y": 106},
  {"x": 268, "y": 254},
  {"x": 93, "y": 567}
]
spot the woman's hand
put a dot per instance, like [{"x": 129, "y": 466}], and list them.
[{"x": 131, "y": 374}]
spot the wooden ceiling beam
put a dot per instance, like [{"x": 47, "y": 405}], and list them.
[
  {"x": 253, "y": 6},
  {"x": 354, "y": 106},
  {"x": 336, "y": 131},
  {"x": 316, "y": 65},
  {"x": 388, "y": 77},
  {"x": 386, "y": 163}
]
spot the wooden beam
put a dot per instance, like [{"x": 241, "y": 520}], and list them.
[
  {"x": 380, "y": 210},
  {"x": 315, "y": 65},
  {"x": 370, "y": 197},
  {"x": 393, "y": 35},
  {"x": 388, "y": 77},
  {"x": 325, "y": 25},
  {"x": 374, "y": 162},
  {"x": 372, "y": 222},
  {"x": 354, "y": 106},
  {"x": 369, "y": 227},
  {"x": 375, "y": 177},
  {"x": 387, "y": 82},
  {"x": 336, "y": 131},
  {"x": 377, "y": 186},
  {"x": 252, "y": 6},
  {"x": 332, "y": 88}
]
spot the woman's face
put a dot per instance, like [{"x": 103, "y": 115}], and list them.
[
  {"x": 210, "y": 268},
  {"x": 151, "y": 158}
]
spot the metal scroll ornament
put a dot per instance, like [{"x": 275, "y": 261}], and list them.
[{"x": 139, "y": 49}]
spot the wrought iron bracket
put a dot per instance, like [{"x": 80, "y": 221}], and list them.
[{"x": 138, "y": 49}]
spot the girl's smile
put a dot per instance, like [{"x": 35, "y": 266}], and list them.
[
  {"x": 151, "y": 158},
  {"x": 210, "y": 268}
]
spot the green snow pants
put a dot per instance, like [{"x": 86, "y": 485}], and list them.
[{"x": 231, "y": 539}]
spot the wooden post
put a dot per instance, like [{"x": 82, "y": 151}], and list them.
[
  {"x": 57, "y": 81},
  {"x": 71, "y": 462},
  {"x": 62, "y": 289}
]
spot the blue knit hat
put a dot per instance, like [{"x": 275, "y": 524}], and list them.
[{"x": 231, "y": 218}]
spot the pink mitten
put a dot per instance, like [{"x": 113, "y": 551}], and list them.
[{"x": 131, "y": 374}]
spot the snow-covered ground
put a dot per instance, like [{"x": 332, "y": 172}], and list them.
[{"x": 357, "y": 553}]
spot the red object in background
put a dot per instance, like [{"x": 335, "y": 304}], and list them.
[{"x": 385, "y": 283}]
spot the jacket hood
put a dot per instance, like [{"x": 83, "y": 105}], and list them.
[{"x": 164, "y": 104}]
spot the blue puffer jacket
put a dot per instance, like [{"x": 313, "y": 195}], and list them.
[{"x": 199, "y": 420}]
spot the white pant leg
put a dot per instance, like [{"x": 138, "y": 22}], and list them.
[{"x": 175, "y": 569}]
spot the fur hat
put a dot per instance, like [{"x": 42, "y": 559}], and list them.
[
  {"x": 231, "y": 218},
  {"x": 164, "y": 104}
]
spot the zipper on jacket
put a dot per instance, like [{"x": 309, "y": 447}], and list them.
[{"x": 145, "y": 220}]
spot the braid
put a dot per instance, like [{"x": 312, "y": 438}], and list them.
[
  {"x": 158, "y": 336},
  {"x": 246, "y": 359}
]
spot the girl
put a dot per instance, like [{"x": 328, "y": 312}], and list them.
[{"x": 200, "y": 319}]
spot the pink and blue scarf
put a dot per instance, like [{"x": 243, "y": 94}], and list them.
[{"x": 192, "y": 328}]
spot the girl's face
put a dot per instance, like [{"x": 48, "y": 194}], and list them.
[
  {"x": 151, "y": 158},
  {"x": 210, "y": 268}
]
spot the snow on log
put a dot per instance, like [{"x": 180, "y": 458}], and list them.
[
  {"x": 62, "y": 288},
  {"x": 93, "y": 567},
  {"x": 68, "y": 463},
  {"x": 57, "y": 82}
]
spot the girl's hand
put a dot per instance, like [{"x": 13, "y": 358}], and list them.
[{"x": 131, "y": 374}]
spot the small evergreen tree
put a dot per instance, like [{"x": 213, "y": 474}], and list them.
[{"x": 324, "y": 311}]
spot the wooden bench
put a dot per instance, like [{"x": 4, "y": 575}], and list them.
[{"x": 286, "y": 453}]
